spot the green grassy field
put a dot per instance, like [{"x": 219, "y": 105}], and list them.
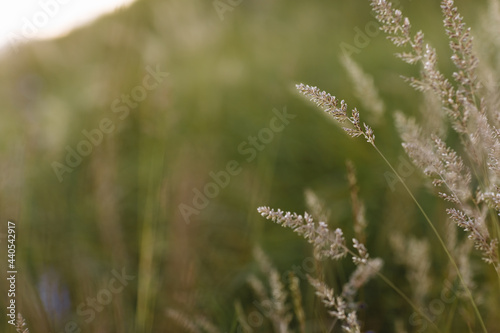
[{"x": 111, "y": 133}]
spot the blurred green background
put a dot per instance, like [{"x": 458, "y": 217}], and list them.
[{"x": 119, "y": 208}]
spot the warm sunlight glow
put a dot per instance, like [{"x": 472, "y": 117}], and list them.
[{"x": 25, "y": 20}]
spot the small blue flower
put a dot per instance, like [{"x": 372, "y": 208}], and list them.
[{"x": 54, "y": 295}]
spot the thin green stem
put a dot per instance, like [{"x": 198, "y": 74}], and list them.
[
  {"x": 453, "y": 262},
  {"x": 413, "y": 305}
]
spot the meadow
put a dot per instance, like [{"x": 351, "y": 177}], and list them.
[{"x": 137, "y": 150}]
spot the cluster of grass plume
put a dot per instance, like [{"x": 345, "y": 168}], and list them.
[{"x": 467, "y": 177}]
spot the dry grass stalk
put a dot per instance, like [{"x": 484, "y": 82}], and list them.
[
  {"x": 462, "y": 100},
  {"x": 331, "y": 245},
  {"x": 338, "y": 109},
  {"x": 316, "y": 206},
  {"x": 198, "y": 324},
  {"x": 415, "y": 255},
  {"x": 364, "y": 89},
  {"x": 240, "y": 314},
  {"x": 21, "y": 326},
  {"x": 434, "y": 157},
  {"x": 327, "y": 244},
  {"x": 276, "y": 301},
  {"x": 358, "y": 207},
  {"x": 183, "y": 320},
  {"x": 297, "y": 302},
  {"x": 338, "y": 307}
]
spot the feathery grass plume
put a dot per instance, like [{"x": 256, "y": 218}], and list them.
[
  {"x": 316, "y": 206},
  {"x": 331, "y": 106},
  {"x": 397, "y": 27},
  {"x": 183, "y": 320},
  {"x": 439, "y": 162},
  {"x": 338, "y": 110},
  {"x": 337, "y": 306},
  {"x": 359, "y": 278},
  {"x": 436, "y": 161},
  {"x": 415, "y": 255},
  {"x": 482, "y": 146},
  {"x": 398, "y": 245},
  {"x": 281, "y": 317},
  {"x": 419, "y": 263},
  {"x": 240, "y": 315},
  {"x": 327, "y": 244},
  {"x": 490, "y": 77},
  {"x": 198, "y": 324},
  {"x": 433, "y": 120},
  {"x": 489, "y": 53},
  {"x": 364, "y": 89},
  {"x": 331, "y": 245},
  {"x": 453, "y": 173},
  {"x": 433, "y": 79},
  {"x": 21, "y": 326},
  {"x": 479, "y": 234},
  {"x": 358, "y": 207},
  {"x": 278, "y": 308},
  {"x": 468, "y": 119},
  {"x": 206, "y": 325},
  {"x": 457, "y": 103},
  {"x": 363, "y": 256},
  {"x": 418, "y": 147},
  {"x": 492, "y": 198},
  {"x": 297, "y": 302},
  {"x": 258, "y": 288},
  {"x": 461, "y": 44},
  {"x": 262, "y": 260},
  {"x": 461, "y": 104},
  {"x": 447, "y": 168}
]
